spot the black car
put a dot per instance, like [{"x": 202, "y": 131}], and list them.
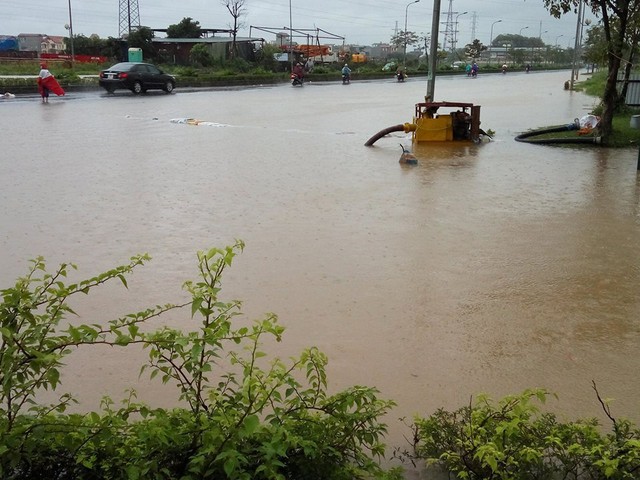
[{"x": 137, "y": 77}]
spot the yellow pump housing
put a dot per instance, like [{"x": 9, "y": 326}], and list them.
[{"x": 434, "y": 125}]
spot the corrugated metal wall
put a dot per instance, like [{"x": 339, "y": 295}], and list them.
[{"x": 633, "y": 90}]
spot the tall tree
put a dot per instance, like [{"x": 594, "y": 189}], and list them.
[
  {"x": 187, "y": 28},
  {"x": 141, "y": 38},
  {"x": 236, "y": 9},
  {"x": 473, "y": 50},
  {"x": 94, "y": 45},
  {"x": 517, "y": 41},
  {"x": 616, "y": 17},
  {"x": 595, "y": 46},
  {"x": 399, "y": 39}
]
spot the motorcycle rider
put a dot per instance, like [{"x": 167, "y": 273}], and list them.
[
  {"x": 400, "y": 75},
  {"x": 298, "y": 71},
  {"x": 346, "y": 73}
]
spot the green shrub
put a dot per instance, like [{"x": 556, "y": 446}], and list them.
[
  {"x": 322, "y": 69},
  {"x": 243, "y": 415},
  {"x": 513, "y": 439},
  {"x": 238, "y": 65},
  {"x": 200, "y": 55},
  {"x": 67, "y": 77},
  {"x": 187, "y": 72}
]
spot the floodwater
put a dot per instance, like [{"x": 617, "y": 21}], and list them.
[{"x": 489, "y": 268}]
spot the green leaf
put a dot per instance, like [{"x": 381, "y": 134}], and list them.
[
  {"x": 53, "y": 377},
  {"x": 250, "y": 425},
  {"x": 230, "y": 466},
  {"x": 195, "y": 305},
  {"x": 123, "y": 280},
  {"x": 133, "y": 330}
]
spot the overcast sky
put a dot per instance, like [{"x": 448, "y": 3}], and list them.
[{"x": 359, "y": 21}]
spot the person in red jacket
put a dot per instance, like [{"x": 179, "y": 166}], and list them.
[{"x": 47, "y": 83}]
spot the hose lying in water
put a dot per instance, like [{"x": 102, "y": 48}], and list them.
[
  {"x": 525, "y": 137},
  {"x": 403, "y": 127}
]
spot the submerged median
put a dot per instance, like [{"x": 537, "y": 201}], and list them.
[{"x": 24, "y": 84}]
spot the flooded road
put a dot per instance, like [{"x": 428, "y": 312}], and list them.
[{"x": 489, "y": 268}]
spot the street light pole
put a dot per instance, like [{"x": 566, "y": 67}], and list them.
[
  {"x": 520, "y": 34},
  {"x": 455, "y": 33},
  {"x": 557, "y": 39},
  {"x": 71, "y": 36},
  {"x": 406, "y": 13},
  {"x": 491, "y": 38},
  {"x": 541, "y": 43},
  {"x": 575, "y": 70},
  {"x": 555, "y": 50},
  {"x": 290, "y": 37}
]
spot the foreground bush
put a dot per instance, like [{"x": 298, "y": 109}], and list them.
[
  {"x": 513, "y": 439},
  {"x": 244, "y": 416}
]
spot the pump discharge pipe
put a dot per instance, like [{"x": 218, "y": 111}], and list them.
[{"x": 403, "y": 127}]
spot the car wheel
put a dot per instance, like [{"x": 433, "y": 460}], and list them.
[
  {"x": 168, "y": 87},
  {"x": 137, "y": 87}
]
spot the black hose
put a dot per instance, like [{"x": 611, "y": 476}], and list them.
[
  {"x": 525, "y": 137},
  {"x": 382, "y": 133}
]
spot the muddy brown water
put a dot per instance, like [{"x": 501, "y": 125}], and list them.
[{"x": 489, "y": 268}]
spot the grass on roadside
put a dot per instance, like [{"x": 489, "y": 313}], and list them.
[
  {"x": 623, "y": 134},
  {"x": 57, "y": 67}
]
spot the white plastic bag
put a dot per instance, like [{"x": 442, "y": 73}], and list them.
[{"x": 589, "y": 121}]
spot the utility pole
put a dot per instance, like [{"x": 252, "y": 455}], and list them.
[
  {"x": 73, "y": 56},
  {"x": 433, "y": 53}
]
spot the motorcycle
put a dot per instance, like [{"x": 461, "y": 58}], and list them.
[
  {"x": 296, "y": 80},
  {"x": 400, "y": 76},
  {"x": 346, "y": 78}
]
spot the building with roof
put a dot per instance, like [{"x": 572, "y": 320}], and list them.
[
  {"x": 178, "y": 50},
  {"x": 52, "y": 44},
  {"x": 41, "y": 43}
]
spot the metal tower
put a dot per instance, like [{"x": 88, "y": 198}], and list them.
[
  {"x": 449, "y": 28},
  {"x": 473, "y": 26},
  {"x": 129, "y": 17}
]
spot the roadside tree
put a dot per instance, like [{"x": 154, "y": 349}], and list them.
[
  {"x": 237, "y": 9},
  {"x": 399, "y": 39},
  {"x": 474, "y": 49},
  {"x": 141, "y": 38},
  {"x": 595, "y": 46},
  {"x": 617, "y": 18},
  {"x": 187, "y": 28}
]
